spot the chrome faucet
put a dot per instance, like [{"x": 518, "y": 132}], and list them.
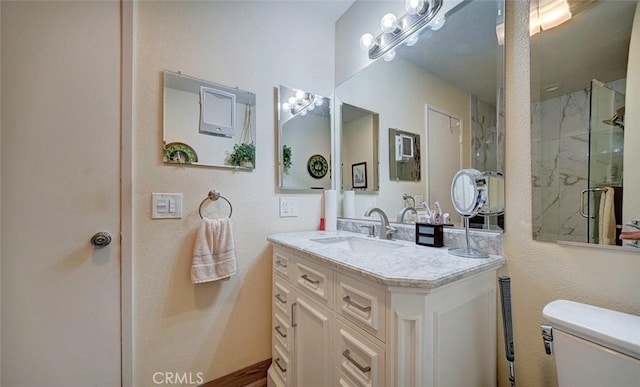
[
  {"x": 405, "y": 197},
  {"x": 403, "y": 212},
  {"x": 386, "y": 231}
]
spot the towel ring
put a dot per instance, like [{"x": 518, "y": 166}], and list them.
[{"x": 213, "y": 196}]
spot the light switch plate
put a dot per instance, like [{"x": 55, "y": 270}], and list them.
[
  {"x": 166, "y": 206},
  {"x": 288, "y": 206}
]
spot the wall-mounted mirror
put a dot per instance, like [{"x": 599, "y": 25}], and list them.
[
  {"x": 360, "y": 148},
  {"x": 208, "y": 124},
  {"x": 457, "y": 72},
  {"x": 583, "y": 154},
  {"x": 304, "y": 140}
]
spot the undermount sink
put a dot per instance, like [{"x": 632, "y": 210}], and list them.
[{"x": 358, "y": 245}]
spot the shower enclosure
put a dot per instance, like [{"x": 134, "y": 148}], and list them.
[
  {"x": 577, "y": 152},
  {"x": 606, "y": 151}
]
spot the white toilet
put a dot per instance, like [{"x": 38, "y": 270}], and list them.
[{"x": 592, "y": 346}]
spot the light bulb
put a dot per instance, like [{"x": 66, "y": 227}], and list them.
[
  {"x": 438, "y": 23},
  {"x": 303, "y": 113},
  {"x": 292, "y": 100},
  {"x": 367, "y": 41},
  {"x": 311, "y": 107},
  {"x": 286, "y": 106},
  {"x": 299, "y": 94},
  {"x": 319, "y": 100},
  {"x": 416, "y": 6},
  {"x": 389, "y": 55},
  {"x": 413, "y": 39},
  {"x": 388, "y": 23}
]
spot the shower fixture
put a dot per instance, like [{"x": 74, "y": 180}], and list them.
[{"x": 617, "y": 119}]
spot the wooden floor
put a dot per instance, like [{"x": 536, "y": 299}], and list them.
[{"x": 258, "y": 383}]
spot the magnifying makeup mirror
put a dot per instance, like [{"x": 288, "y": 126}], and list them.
[{"x": 468, "y": 194}]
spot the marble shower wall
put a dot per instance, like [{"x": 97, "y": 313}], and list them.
[
  {"x": 560, "y": 165},
  {"x": 485, "y": 137}
]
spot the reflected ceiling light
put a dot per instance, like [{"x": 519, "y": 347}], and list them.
[
  {"x": 552, "y": 13},
  {"x": 405, "y": 29},
  {"x": 302, "y": 103},
  {"x": 545, "y": 15},
  {"x": 552, "y": 87}
]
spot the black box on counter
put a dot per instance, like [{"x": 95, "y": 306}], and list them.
[{"x": 429, "y": 234}]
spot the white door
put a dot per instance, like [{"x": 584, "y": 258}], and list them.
[
  {"x": 444, "y": 138},
  {"x": 60, "y": 186},
  {"x": 313, "y": 344}
]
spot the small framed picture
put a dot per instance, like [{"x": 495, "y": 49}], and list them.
[{"x": 359, "y": 175}]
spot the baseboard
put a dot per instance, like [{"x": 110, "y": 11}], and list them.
[{"x": 242, "y": 377}]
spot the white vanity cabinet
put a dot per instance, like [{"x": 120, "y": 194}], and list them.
[{"x": 335, "y": 326}]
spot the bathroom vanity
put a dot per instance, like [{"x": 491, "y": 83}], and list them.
[{"x": 349, "y": 310}]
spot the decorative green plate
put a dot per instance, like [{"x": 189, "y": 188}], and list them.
[
  {"x": 317, "y": 166},
  {"x": 179, "y": 153}
]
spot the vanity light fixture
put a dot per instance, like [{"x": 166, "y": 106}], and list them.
[
  {"x": 302, "y": 103},
  {"x": 405, "y": 29}
]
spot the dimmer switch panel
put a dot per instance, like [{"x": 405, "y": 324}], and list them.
[{"x": 166, "y": 206}]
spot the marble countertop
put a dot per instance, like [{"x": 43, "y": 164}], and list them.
[{"x": 406, "y": 265}]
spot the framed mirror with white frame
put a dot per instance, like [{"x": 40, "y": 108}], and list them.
[{"x": 304, "y": 140}]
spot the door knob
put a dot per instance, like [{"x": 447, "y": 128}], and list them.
[{"x": 101, "y": 239}]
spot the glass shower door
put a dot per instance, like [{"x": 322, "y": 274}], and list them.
[{"x": 606, "y": 150}]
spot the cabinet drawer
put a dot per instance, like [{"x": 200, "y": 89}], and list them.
[
  {"x": 343, "y": 380},
  {"x": 363, "y": 304},
  {"x": 315, "y": 280},
  {"x": 282, "y": 365},
  {"x": 359, "y": 358},
  {"x": 282, "y": 264},
  {"x": 282, "y": 296},
  {"x": 282, "y": 331}
]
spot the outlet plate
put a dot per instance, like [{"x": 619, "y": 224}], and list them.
[
  {"x": 288, "y": 206},
  {"x": 166, "y": 206}
]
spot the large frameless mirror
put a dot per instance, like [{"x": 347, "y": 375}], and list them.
[
  {"x": 207, "y": 124},
  {"x": 583, "y": 144},
  {"x": 447, "y": 89}
]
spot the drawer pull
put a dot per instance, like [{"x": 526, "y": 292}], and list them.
[
  {"x": 306, "y": 278},
  {"x": 347, "y": 299},
  {"x": 280, "y": 332},
  {"x": 280, "y": 299},
  {"x": 277, "y": 361},
  {"x": 347, "y": 355},
  {"x": 281, "y": 264}
]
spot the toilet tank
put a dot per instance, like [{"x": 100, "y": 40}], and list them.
[{"x": 594, "y": 346}]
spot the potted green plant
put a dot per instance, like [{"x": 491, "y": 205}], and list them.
[
  {"x": 286, "y": 157},
  {"x": 244, "y": 155}
]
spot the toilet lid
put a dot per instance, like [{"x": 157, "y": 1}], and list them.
[{"x": 611, "y": 329}]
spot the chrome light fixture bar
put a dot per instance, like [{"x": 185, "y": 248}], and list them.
[
  {"x": 403, "y": 30},
  {"x": 302, "y": 103}
]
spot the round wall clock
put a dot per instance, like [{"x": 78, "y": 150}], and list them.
[
  {"x": 181, "y": 153},
  {"x": 317, "y": 166}
]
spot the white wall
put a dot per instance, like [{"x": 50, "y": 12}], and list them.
[
  {"x": 216, "y": 328},
  {"x": 631, "y": 204},
  {"x": 307, "y": 139},
  {"x": 541, "y": 272}
]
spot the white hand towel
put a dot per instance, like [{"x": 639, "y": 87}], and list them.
[
  {"x": 214, "y": 256},
  {"x": 606, "y": 218}
]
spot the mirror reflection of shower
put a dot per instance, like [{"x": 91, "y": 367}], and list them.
[{"x": 577, "y": 155}]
